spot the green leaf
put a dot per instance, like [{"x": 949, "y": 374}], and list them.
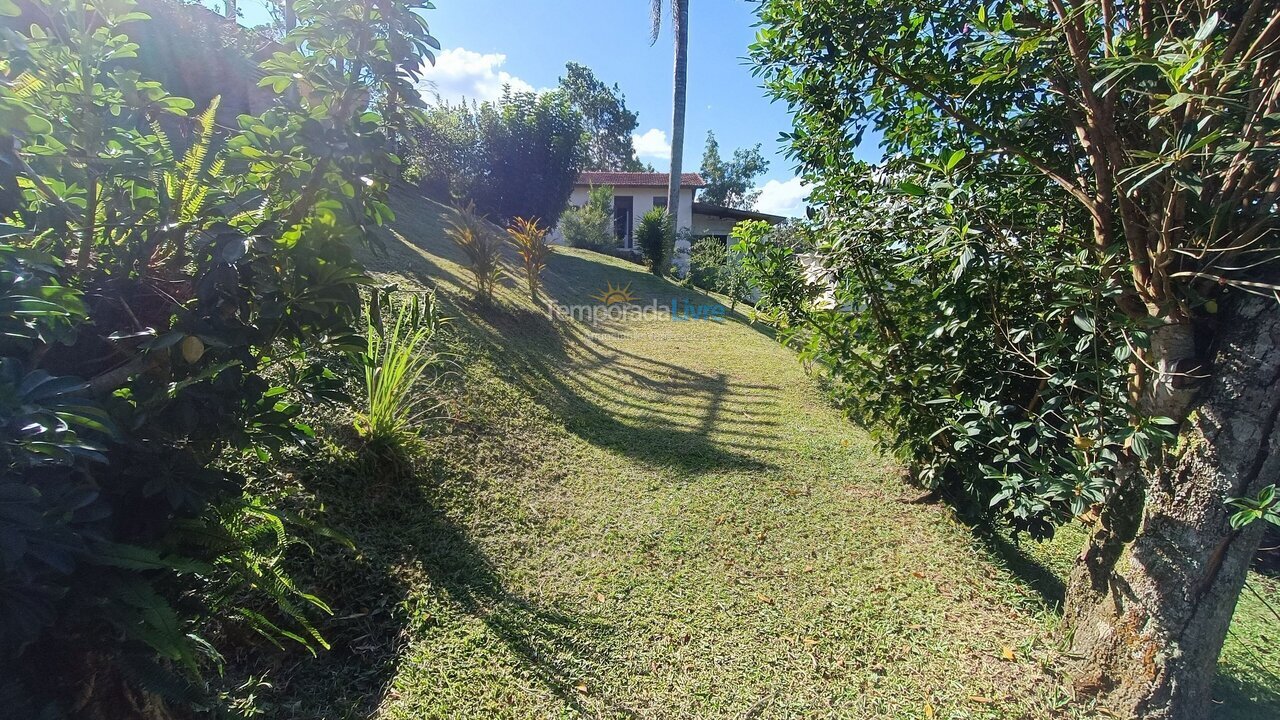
[
  {"x": 912, "y": 189},
  {"x": 1206, "y": 29},
  {"x": 9, "y": 9}
]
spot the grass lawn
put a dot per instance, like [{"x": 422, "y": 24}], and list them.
[{"x": 660, "y": 519}]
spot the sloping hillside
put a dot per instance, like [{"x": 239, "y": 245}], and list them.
[{"x": 650, "y": 518}]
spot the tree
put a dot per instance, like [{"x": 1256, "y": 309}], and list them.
[
  {"x": 680, "y": 29},
  {"x": 607, "y": 123},
  {"x": 532, "y": 146},
  {"x": 731, "y": 184},
  {"x": 518, "y": 157},
  {"x": 446, "y": 158},
  {"x": 1146, "y": 125}
]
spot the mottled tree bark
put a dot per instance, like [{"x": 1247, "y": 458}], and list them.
[{"x": 1155, "y": 588}]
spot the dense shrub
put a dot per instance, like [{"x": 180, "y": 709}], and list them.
[
  {"x": 985, "y": 374},
  {"x": 161, "y": 308},
  {"x": 591, "y": 226},
  {"x": 654, "y": 238},
  {"x": 713, "y": 266}
]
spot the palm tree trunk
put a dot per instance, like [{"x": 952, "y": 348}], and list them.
[{"x": 680, "y": 28}]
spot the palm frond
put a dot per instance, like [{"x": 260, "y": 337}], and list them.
[{"x": 655, "y": 19}]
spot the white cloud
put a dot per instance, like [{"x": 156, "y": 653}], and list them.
[
  {"x": 653, "y": 144},
  {"x": 784, "y": 198},
  {"x": 460, "y": 73}
]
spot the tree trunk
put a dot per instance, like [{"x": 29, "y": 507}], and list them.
[
  {"x": 1153, "y": 592},
  {"x": 680, "y": 28}
]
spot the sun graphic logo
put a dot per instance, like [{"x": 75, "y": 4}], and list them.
[{"x": 616, "y": 295}]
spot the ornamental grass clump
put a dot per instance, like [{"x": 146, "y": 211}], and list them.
[{"x": 398, "y": 358}]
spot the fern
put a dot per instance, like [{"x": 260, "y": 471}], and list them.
[{"x": 185, "y": 186}]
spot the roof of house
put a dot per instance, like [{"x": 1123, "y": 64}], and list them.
[
  {"x": 700, "y": 208},
  {"x": 638, "y": 179}
]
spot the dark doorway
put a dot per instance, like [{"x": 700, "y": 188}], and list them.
[{"x": 623, "y": 208}]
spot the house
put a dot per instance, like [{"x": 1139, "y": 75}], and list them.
[{"x": 635, "y": 194}]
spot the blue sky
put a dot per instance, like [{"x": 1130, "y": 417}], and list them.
[{"x": 527, "y": 42}]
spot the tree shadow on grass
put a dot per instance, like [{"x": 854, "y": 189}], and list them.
[
  {"x": 651, "y": 411},
  {"x": 407, "y": 547},
  {"x": 1243, "y": 699},
  {"x": 1009, "y": 554}
]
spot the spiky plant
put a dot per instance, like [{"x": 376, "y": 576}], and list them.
[
  {"x": 398, "y": 358},
  {"x": 481, "y": 246},
  {"x": 530, "y": 240},
  {"x": 654, "y": 238}
]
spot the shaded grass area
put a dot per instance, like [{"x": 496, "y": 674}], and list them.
[{"x": 648, "y": 519}]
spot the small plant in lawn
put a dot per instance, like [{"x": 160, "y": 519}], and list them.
[
  {"x": 481, "y": 246},
  {"x": 530, "y": 240},
  {"x": 399, "y": 356},
  {"x": 654, "y": 238}
]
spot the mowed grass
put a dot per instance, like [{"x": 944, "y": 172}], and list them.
[{"x": 652, "y": 519}]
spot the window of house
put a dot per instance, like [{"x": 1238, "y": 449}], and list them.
[{"x": 660, "y": 202}]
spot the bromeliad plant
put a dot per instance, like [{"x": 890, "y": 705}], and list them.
[
  {"x": 530, "y": 241},
  {"x": 159, "y": 322},
  {"x": 479, "y": 242},
  {"x": 398, "y": 360}
]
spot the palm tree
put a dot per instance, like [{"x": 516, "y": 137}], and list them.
[{"x": 680, "y": 28}]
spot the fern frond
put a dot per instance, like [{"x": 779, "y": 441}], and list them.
[
  {"x": 26, "y": 85},
  {"x": 193, "y": 161}
]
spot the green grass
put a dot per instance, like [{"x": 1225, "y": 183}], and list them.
[{"x": 658, "y": 520}]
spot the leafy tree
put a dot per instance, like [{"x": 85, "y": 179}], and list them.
[
  {"x": 532, "y": 144},
  {"x": 607, "y": 123},
  {"x": 730, "y": 184},
  {"x": 654, "y": 237},
  {"x": 679, "y": 92},
  {"x": 164, "y": 295},
  {"x": 447, "y": 159},
  {"x": 591, "y": 226},
  {"x": 518, "y": 157},
  {"x": 1117, "y": 158}
]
